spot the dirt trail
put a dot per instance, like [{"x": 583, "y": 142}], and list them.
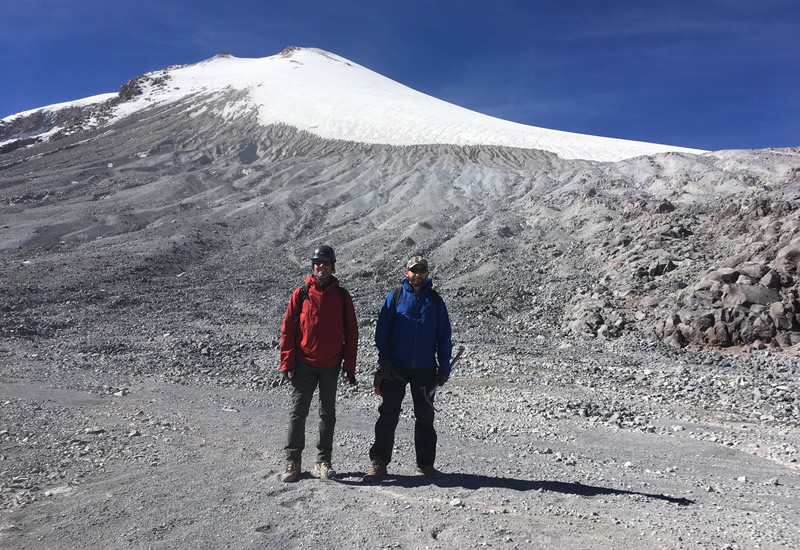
[{"x": 197, "y": 467}]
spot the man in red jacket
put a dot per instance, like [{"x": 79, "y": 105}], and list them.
[{"x": 319, "y": 339}]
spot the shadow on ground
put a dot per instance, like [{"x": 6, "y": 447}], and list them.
[{"x": 474, "y": 482}]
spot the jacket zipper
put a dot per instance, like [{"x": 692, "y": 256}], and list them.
[{"x": 416, "y": 330}]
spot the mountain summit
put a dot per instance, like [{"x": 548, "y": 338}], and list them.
[{"x": 333, "y": 98}]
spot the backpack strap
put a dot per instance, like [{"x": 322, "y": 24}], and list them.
[
  {"x": 303, "y": 296},
  {"x": 436, "y": 300},
  {"x": 396, "y": 297},
  {"x": 343, "y": 295}
]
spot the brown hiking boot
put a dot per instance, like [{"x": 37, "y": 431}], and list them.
[
  {"x": 377, "y": 473},
  {"x": 430, "y": 472},
  {"x": 324, "y": 470},
  {"x": 291, "y": 473}
]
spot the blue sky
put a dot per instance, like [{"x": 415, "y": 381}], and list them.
[{"x": 710, "y": 74}]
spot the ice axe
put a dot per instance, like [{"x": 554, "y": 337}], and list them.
[{"x": 432, "y": 391}]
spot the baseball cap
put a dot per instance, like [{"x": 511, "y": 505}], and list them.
[{"x": 417, "y": 260}]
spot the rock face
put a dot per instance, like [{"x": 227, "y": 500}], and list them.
[
  {"x": 25, "y": 130},
  {"x": 722, "y": 274}
]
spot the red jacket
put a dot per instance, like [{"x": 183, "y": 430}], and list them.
[{"x": 319, "y": 338}]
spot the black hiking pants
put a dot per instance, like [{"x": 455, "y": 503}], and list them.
[{"x": 393, "y": 392}]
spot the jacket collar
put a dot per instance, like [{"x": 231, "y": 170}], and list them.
[
  {"x": 425, "y": 286},
  {"x": 312, "y": 282}
]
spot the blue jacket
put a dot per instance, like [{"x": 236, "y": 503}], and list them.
[{"x": 415, "y": 335}]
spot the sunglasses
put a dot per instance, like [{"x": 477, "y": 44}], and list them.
[
  {"x": 418, "y": 270},
  {"x": 321, "y": 262}
]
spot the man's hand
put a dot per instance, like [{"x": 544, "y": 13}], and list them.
[
  {"x": 349, "y": 376},
  {"x": 442, "y": 378},
  {"x": 385, "y": 369},
  {"x": 387, "y": 372},
  {"x": 286, "y": 377}
]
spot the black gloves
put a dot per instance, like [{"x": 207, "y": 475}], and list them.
[
  {"x": 386, "y": 371},
  {"x": 442, "y": 378},
  {"x": 349, "y": 376}
]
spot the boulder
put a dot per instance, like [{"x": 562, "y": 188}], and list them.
[
  {"x": 781, "y": 316},
  {"x": 757, "y": 328},
  {"x": 732, "y": 316},
  {"x": 708, "y": 296},
  {"x": 651, "y": 301},
  {"x": 787, "y": 260},
  {"x": 707, "y": 283},
  {"x": 676, "y": 339},
  {"x": 754, "y": 270},
  {"x": 661, "y": 266},
  {"x": 704, "y": 321},
  {"x": 691, "y": 335},
  {"x": 718, "y": 335},
  {"x": 746, "y": 295},
  {"x": 664, "y": 207},
  {"x": 594, "y": 321},
  {"x": 771, "y": 279},
  {"x": 788, "y": 339},
  {"x": 671, "y": 326},
  {"x": 784, "y": 339},
  {"x": 621, "y": 241},
  {"x": 726, "y": 275}
]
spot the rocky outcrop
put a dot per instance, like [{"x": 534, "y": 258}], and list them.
[
  {"x": 699, "y": 274},
  {"x": 733, "y": 307},
  {"x": 34, "y": 127},
  {"x": 27, "y": 127}
]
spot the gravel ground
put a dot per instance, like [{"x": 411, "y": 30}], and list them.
[{"x": 566, "y": 444}]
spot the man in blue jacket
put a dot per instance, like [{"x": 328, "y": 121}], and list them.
[{"x": 413, "y": 332}]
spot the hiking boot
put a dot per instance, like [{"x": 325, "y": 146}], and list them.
[
  {"x": 291, "y": 473},
  {"x": 377, "y": 473},
  {"x": 324, "y": 470},
  {"x": 430, "y": 472}
]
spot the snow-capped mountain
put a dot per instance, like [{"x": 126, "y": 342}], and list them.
[
  {"x": 333, "y": 98},
  {"x": 220, "y": 165}
]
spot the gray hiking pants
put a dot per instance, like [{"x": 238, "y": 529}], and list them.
[{"x": 305, "y": 381}]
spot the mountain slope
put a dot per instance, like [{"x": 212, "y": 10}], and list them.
[{"x": 181, "y": 171}]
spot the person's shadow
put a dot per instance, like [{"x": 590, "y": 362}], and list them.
[{"x": 474, "y": 482}]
